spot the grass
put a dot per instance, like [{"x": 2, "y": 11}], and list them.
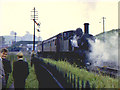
[
  {"x": 31, "y": 81},
  {"x": 98, "y": 80},
  {"x": 12, "y": 58}
]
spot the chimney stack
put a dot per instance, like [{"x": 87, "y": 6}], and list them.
[{"x": 86, "y": 28}]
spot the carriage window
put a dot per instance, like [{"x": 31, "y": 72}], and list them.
[
  {"x": 67, "y": 34},
  {"x": 64, "y": 34},
  {"x": 51, "y": 43},
  {"x": 55, "y": 41}
]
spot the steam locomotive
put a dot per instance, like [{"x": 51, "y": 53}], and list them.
[{"x": 72, "y": 45}]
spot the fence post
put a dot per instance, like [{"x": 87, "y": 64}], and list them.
[
  {"x": 65, "y": 75},
  {"x": 71, "y": 78},
  {"x": 78, "y": 83},
  {"x": 82, "y": 84},
  {"x": 74, "y": 81},
  {"x": 87, "y": 85}
]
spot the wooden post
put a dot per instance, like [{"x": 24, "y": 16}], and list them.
[
  {"x": 78, "y": 83},
  {"x": 71, "y": 78},
  {"x": 82, "y": 84},
  {"x": 74, "y": 81},
  {"x": 65, "y": 75},
  {"x": 87, "y": 85}
]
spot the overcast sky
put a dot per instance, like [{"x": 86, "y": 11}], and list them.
[{"x": 57, "y": 16}]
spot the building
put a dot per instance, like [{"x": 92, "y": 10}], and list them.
[
  {"x": 2, "y": 42},
  {"x": 23, "y": 46}
]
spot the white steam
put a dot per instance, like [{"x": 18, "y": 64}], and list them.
[
  {"x": 105, "y": 53},
  {"x": 74, "y": 41}
]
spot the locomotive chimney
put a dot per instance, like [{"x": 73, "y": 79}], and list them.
[{"x": 86, "y": 28}]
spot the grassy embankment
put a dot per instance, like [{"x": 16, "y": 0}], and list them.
[{"x": 98, "y": 80}]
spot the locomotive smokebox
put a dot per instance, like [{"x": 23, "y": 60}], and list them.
[{"x": 86, "y": 28}]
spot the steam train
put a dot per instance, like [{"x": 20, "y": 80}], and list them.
[{"x": 72, "y": 45}]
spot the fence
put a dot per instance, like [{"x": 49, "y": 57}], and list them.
[{"x": 69, "y": 80}]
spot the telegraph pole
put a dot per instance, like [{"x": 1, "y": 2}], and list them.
[
  {"x": 34, "y": 18},
  {"x": 103, "y": 24},
  {"x": 103, "y": 28}
]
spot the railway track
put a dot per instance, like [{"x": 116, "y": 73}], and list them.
[
  {"x": 104, "y": 70},
  {"x": 112, "y": 72}
]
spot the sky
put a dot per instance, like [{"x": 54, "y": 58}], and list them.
[{"x": 57, "y": 16}]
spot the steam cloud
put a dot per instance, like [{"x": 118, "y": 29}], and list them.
[{"x": 105, "y": 53}]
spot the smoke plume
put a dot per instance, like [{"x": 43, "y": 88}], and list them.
[{"x": 105, "y": 53}]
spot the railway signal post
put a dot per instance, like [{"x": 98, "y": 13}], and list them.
[{"x": 34, "y": 18}]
